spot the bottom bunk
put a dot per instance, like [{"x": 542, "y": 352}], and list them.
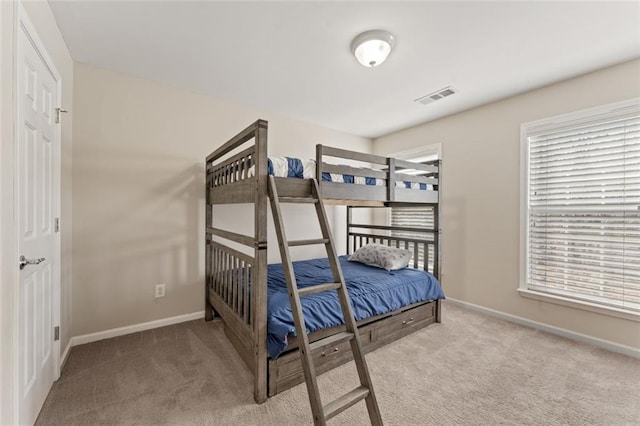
[
  {"x": 387, "y": 306},
  {"x": 373, "y": 292}
]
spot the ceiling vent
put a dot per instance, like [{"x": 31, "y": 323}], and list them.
[{"x": 437, "y": 95}]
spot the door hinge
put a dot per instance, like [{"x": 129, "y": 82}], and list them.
[
  {"x": 56, "y": 225},
  {"x": 58, "y": 112},
  {"x": 56, "y": 333}
]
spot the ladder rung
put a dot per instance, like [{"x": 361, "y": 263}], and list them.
[
  {"x": 345, "y": 401},
  {"x": 332, "y": 340},
  {"x": 318, "y": 288},
  {"x": 308, "y": 242},
  {"x": 297, "y": 200}
]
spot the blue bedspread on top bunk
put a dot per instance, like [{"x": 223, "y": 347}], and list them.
[
  {"x": 373, "y": 291},
  {"x": 306, "y": 169}
]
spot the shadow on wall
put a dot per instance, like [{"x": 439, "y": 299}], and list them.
[
  {"x": 138, "y": 219},
  {"x": 454, "y": 248},
  {"x": 300, "y": 223}
]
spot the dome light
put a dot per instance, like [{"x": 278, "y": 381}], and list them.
[{"x": 371, "y": 48}]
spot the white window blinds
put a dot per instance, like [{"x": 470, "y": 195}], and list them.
[
  {"x": 583, "y": 206},
  {"x": 415, "y": 217}
]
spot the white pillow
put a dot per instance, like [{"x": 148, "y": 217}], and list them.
[{"x": 385, "y": 257}]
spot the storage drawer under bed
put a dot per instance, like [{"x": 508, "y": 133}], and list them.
[
  {"x": 286, "y": 371},
  {"x": 401, "y": 324}
]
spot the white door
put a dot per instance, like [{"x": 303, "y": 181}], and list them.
[{"x": 37, "y": 195}]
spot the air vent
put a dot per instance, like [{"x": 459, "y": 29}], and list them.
[{"x": 437, "y": 95}]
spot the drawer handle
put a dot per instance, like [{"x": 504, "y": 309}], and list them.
[
  {"x": 329, "y": 353},
  {"x": 408, "y": 321}
]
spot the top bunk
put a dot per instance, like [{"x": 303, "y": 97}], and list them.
[{"x": 237, "y": 171}]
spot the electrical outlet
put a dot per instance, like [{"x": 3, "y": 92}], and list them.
[{"x": 160, "y": 289}]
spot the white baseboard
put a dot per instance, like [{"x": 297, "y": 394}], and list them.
[
  {"x": 65, "y": 354},
  {"x": 121, "y": 331},
  {"x": 601, "y": 343}
]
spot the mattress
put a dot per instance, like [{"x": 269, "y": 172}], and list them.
[
  {"x": 306, "y": 169},
  {"x": 373, "y": 291}
]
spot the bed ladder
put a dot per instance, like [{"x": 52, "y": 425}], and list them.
[{"x": 365, "y": 391}]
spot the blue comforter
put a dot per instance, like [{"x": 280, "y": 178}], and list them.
[
  {"x": 306, "y": 169},
  {"x": 373, "y": 291}
]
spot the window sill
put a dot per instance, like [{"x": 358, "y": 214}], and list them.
[{"x": 559, "y": 300}]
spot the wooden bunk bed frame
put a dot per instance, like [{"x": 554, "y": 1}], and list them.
[{"x": 242, "y": 178}]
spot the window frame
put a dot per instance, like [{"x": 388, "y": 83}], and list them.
[
  {"x": 430, "y": 150},
  {"x": 422, "y": 151},
  {"x": 551, "y": 123}
]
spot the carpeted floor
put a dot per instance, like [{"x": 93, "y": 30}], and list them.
[{"x": 470, "y": 370}]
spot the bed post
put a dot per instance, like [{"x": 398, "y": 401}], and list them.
[
  {"x": 208, "y": 309},
  {"x": 391, "y": 180},
  {"x": 437, "y": 249},
  {"x": 349, "y": 221},
  {"x": 259, "y": 290},
  {"x": 319, "y": 166}
]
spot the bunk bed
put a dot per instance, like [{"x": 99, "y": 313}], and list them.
[{"x": 236, "y": 287}]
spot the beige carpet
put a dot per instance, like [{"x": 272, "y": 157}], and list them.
[{"x": 470, "y": 370}]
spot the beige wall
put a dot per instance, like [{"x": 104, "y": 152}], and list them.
[
  {"x": 42, "y": 18},
  {"x": 481, "y": 196},
  {"x": 138, "y": 194}
]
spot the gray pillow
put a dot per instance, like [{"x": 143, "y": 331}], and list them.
[{"x": 385, "y": 257}]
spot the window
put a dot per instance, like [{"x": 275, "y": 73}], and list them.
[
  {"x": 416, "y": 217},
  {"x": 581, "y": 209}
]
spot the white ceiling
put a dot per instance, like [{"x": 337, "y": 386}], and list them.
[{"x": 293, "y": 58}]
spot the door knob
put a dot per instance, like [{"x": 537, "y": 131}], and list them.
[{"x": 24, "y": 261}]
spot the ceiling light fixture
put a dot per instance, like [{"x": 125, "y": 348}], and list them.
[{"x": 371, "y": 48}]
